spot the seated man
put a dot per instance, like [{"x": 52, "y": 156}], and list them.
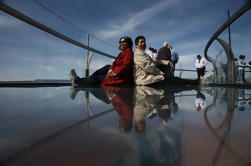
[
  {"x": 146, "y": 71},
  {"x": 120, "y": 72}
]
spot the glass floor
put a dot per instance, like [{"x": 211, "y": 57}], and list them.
[{"x": 125, "y": 126}]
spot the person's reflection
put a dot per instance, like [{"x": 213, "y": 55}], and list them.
[
  {"x": 122, "y": 101},
  {"x": 241, "y": 99},
  {"x": 162, "y": 145},
  {"x": 200, "y": 101},
  {"x": 96, "y": 92},
  {"x": 120, "y": 98},
  {"x": 145, "y": 100},
  {"x": 167, "y": 106}
]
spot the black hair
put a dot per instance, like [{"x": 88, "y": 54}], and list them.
[
  {"x": 242, "y": 56},
  {"x": 198, "y": 56},
  {"x": 153, "y": 50},
  {"x": 128, "y": 40},
  {"x": 137, "y": 39}
]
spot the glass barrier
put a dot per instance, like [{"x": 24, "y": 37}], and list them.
[
  {"x": 241, "y": 39},
  {"x": 227, "y": 49},
  {"x": 28, "y": 53}
]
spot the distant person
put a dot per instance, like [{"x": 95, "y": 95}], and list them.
[
  {"x": 241, "y": 69},
  {"x": 164, "y": 55},
  {"x": 164, "y": 52},
  {"x": 120, "y": 72},
  {"x": 241, "y": 99},
  {"x": 200, "y": 64},
  {"x": 146, "y": 71},
  {"x": 249, "y": 64},
  {"x": 174, "y": 58},
  {"x": 200, "y": 101},
  {"x": 152, "y": 53},
  {"x": 236, "y": 67}
]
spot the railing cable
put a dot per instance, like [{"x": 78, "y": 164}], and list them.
[{"x": 68, "y": 22}]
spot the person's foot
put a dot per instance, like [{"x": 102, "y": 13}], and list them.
[{"x": 74, "y": 77}]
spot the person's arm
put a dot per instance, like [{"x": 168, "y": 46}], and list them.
[
  {"x": 145, "y": 63},
  {"x": 196, "y": 63},
  {"x": 124, "y": 66},
  {"x": 204, "y": 62}
]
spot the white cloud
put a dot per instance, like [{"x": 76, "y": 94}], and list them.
[
  {"x": 198, "y": 46},
  {"x": 47, "y": 67},
  {"x": 187, "y": 59},
  {"x": 7, "y": 22},
  {"x": 137, "y": 19},
  {"x": 180, "y": 28}
]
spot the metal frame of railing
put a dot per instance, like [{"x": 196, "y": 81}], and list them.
[
  {"x": 232, "y": 19},
  {"x": 51, "y": 31}
]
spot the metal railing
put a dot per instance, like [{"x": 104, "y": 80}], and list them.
[
  {"x": 53, "y": 32},
  {"x": 38, "y": 25},
  {"x": 226, "y": 25}
]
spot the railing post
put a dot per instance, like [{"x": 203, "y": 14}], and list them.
[
  {"x": 234, "y": 17},
  {"x": 87, "y": 58},
  {"x": 231, "y": 64}
]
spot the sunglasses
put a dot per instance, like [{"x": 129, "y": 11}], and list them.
[{"x": 122, "y": 41}]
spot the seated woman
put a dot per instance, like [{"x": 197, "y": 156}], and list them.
[
  {"x": 146, "y": 71},
  {"x": 120, "y": 72}
]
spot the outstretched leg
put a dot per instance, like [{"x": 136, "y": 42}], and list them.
[{"x": 96, "y": 78}]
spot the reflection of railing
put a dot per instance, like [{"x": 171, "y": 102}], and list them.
[
  {"x": 233, "y": 18},
  {"x": 187, "y": 70},
  {"x": 226, "y": 123},
  {"x": 47, "y": 29},
  {"x": 45, "y": 140}
]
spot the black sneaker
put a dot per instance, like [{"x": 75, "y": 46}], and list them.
[{"x": 73, "y": 74}]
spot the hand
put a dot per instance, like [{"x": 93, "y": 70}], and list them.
[
  {"x": 110, "y": 95},
  {"x": 171, "y": 65},
  {"x": 110, "y": 73}
]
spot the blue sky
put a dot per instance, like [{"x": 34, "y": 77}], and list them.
[{"x": 186, "y": 25}]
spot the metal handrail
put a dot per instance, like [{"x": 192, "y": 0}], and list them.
[
  {"x": 234, "y": 17},
  {"x": 38, "y": 25}
]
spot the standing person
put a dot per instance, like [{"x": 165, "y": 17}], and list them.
[
  {"x": 164, "y": 54},
  {"x": 200, "y": 64},
  {"x": 146, "y": 71},
  {"x": 120, "y": 72},
  {"x": 174, "y": 59},
  {"x": 241, "y": 68}
]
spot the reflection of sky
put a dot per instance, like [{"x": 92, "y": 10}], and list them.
[
  {"x": 29, "y": 115},
  {"x": 32, "y": 113},
  {"x": 27, "y": 53}
]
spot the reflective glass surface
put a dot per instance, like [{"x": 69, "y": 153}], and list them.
[{"x": 125, "y": 126}]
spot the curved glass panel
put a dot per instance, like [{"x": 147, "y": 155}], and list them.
[
  {"x": 163, "y": 126},
  {"x": 241, "y": 39},
  {"x": 27, "y": 53},
  {"x": 238, "y": 40}
]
